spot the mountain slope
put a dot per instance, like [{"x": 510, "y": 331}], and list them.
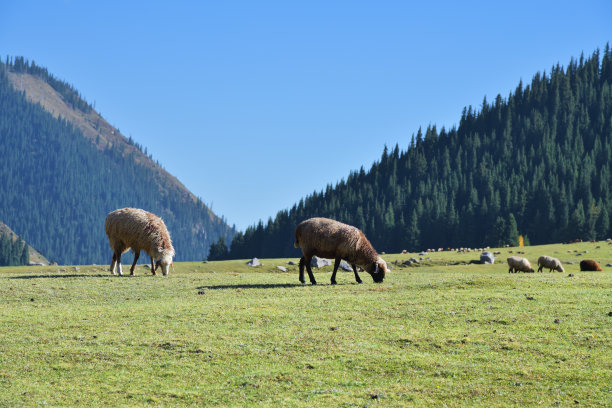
[
  {"x": 65, "y": 168},
  {"x": 32, "y": 80},
  {"x": 538, "y": 163},
  {"x": 34, "y": 257}
]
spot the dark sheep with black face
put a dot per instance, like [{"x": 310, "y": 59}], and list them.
[{"x": 331, "y": 239}]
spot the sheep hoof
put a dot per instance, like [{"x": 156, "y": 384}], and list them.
[
  {"x": 359, "y": 281},
  {"x": 302, "y": 280},
  {"x": 333, "y": 282},
  {"x": 313, "y": 282}
]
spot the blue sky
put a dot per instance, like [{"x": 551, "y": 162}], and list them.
[{"x": 256, "y": 104}]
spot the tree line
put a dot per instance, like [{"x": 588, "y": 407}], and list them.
[
  {"x": 13, "y": 252},
  {"x": 536, "y": 163}
]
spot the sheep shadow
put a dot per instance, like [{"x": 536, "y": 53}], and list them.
[
  {"x": 80, "y": 275},
  {"x": 253, "y": 286},
  {"x": 269, "y": 285}
]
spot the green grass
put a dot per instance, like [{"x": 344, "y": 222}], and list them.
[{"x": 224, "y": 334}]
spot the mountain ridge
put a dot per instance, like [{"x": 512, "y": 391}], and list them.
[{"x": 93, "y": 126}]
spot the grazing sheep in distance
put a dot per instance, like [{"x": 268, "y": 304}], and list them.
[
  {"x": 140, "y": 230},
  {"x": 518, "y": 264},
  {"x": 589, "y": 265},
  {"x": 550, "y": 263},
  {"x": 332, "y": 239}
]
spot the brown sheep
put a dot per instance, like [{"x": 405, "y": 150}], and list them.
[
  {"x": 140, "y": 230},
  {"x": 589, "y": 265},
  {"x": 332, "y": 239}
]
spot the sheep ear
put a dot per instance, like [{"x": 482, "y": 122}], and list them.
[{"x": 376, "y": 269}]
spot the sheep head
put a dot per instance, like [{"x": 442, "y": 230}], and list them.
[
  {"x": 165, "y": 260},
  {"x": 377, "y": 270}
]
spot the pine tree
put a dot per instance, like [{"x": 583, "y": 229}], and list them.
[
  {"x": 413, "y": 232},
  {"x": 218, "y": 250},
  {"x": 512, "y": 233},
  {"x": 24, "y": 259},
  {"x": 602, "y": 227}
]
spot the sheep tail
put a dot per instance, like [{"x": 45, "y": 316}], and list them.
[{"x": 297, "y": 239}]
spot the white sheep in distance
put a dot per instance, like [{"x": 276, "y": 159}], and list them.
[
  {"x": 140, "y": 230},
  {"x": 550, "y": 263},
  {"x": 332, "y": 239},
  {"x": 518, "y": 264}
]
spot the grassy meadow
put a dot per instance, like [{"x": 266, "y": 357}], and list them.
[{"x": 444, "y": 333}]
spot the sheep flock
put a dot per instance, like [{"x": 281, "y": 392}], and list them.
[{"x": 139, "y": 230}]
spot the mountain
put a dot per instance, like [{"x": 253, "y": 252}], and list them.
[
  {"x": 12, "y": 250},
  {"x": 64, "y": 167},
  {"x": 537, "y": 163}
]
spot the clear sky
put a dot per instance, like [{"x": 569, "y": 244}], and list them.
[{"x": 256, "y": 104}]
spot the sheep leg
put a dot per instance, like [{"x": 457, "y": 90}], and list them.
[
  {"x": 309, "y": 270},
  {"x": 540, "y": 268},
  {"x": 357, "y": 278},
  {"x": 336, "y": 265},
  {"x": 136, "y": 256},
  {"x": 153, "y": 266},
  {"x": 119, "y": 271},
  {"x": 113, "y": 262},
  {"x": 302, "y": 260}
]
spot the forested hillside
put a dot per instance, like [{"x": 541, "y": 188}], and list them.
[
  {"x": 13, "y": 250},
  {"x": 59, "y": 178},
  {"x": 537, "y": 163}
]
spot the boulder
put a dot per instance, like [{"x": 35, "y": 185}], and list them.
[
  {"x": 253, "y": 262},
  {"x": 345, "y": 266},
  {"x": 291, "y": 263},
  {"x": 281, "y": 268},
  {"x": 487, "y": 258},
  {"x": 319, "y": 262},
  {"x": 410, "y": 262}
]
